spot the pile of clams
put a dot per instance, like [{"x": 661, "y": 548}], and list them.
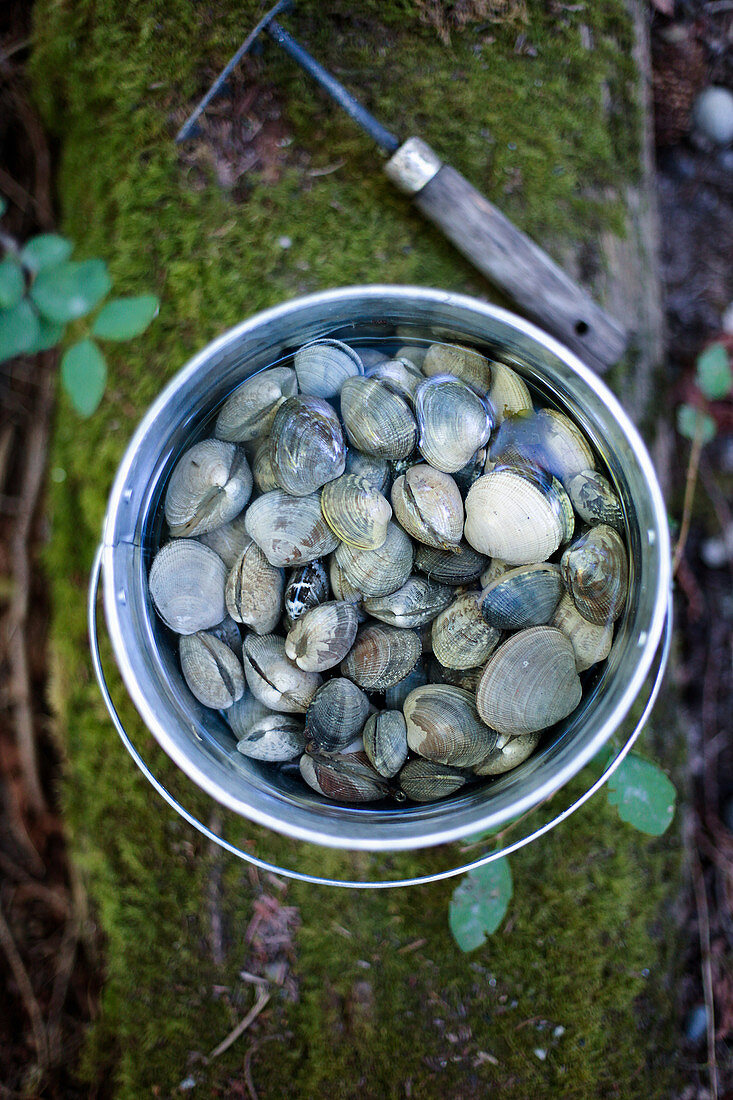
[{"x": 390, "y": 569}]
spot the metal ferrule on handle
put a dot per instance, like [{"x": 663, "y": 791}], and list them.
[{"x": 357, "y": 884}]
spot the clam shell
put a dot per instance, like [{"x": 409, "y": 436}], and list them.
[
  {"x": 472, "y": 471},
  {"x": 466, "y": 678},
  {"x": 346, "y": 780},
  {"x": 508, "y": 393},
  {"x": 377, "y": 421},
  {"x": 460, "y": 566},
  {"x": 323, "y": 366},
  {"x": 417, "y": 602},
  {"x": 377, "y": 572},
  {"x": 356, "y": 511},
  {"x": 414, "y": 353},
  {"x": 548, "y": 439},
  {"x": 494, "y": 569},
  {"x": 228, "y": 541},
  {"x": 186, "y": 583},
  {"x": 510, "y": 516},
  {"x": 399, "y": 375},
  {"x": 453, "y": 423},
  {"x": 254, "y": 591},
  {"x": 461, "y": 636},
  {"x": 428, "y": 505},
  {"x": 227, "y": 632},
  {"x": 444, "y": 726},
  {"x": 385, "y": 741},
  {"x": 508, "y": 753},
  {"x": 273, "y": 737},
  {"x": 464, "y": 363},
  {"x": 211, "y": 670},
  {"x": 250, "y": 410},
  {"x": 210, "y": 485},
  {"x": 335, "y": 716},
  {"x": 529, "y": 683},
  {"x": 377, "y": 471},
  {"x": 381, "y": 656},
  {"x": 594, "y": 500},
  {"x": 262, "y": 471},
  {"x": 306, "y": 445},
  {"x": 245, "y": 713},
  {"x": 290, "y": 530},
  {"x": 596, "y": 571},
  {"x": 323, "y": 636},
  {"x": 343, "y": 588},
  {"x": 394, "y": 696},
  {"x": 522, "y": 597},
  {"x": 424, "y": 781},
  {"x": 591, "y": 642},
  {"x": 307, "y": 587},
  {"x": 273, "y": 678}
]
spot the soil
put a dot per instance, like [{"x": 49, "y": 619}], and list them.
[{"x": 51, "y": 960}]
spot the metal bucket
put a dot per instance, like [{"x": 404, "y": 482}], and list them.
[{"x": 200, "y": 742}]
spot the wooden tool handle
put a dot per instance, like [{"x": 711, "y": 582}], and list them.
[{"x": 507, "y": 256}]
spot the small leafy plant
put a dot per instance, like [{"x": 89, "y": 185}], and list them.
[
  {"x": 713, "y": 382},
  {"x": 642, "y": 795},
  {"x": 42, "y": 291}
]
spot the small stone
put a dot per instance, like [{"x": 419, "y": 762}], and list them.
[
  {"x": 285, "y": 242},
  {"x": 540, "y": 1053},
  {"x": 712, "y": 115}
]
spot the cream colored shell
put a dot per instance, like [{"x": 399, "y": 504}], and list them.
[{"x": 509, "y": 517}]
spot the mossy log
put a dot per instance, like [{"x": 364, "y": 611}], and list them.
[{"x": 542, "y": 110}]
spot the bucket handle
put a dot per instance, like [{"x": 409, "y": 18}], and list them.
[{"x": 316, "y": 880}]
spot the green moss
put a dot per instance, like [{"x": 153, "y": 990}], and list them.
[{"x": 553, "y": 139}]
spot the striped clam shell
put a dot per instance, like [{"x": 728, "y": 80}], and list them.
[
  {"x": 336, "y": 716},
  {"x": 211, "y": 670},
  {"x": 522, "y": 597},
  {"x": 381, "y": 656},
  {"x": 356, "y": 511},
  {"x": 424, "y": 781},
  {"x": 377, "y": 572},
  {"x": 514, "y": 516},
  {"x": 254, "y": 590},
  {"x": 210, "y": 485},
  {"x": 377, "y": 421},
  {"x": 464, "y": 363},
  {"x": 323, "y": 366},
  {"x": 428, "y": 504},
  {"x": 186, "y": 584},
  {"x": 323, "y": 636},
  {"x": 290, "y": 530},
  {"x": 596, "y": 571},
  {"x": 274, "y": 679},
  {"x": 453, "y": 422},
  {"x": 306, "y": 445},
  {"x": 461, "y": 636},
  {"x": 250, "y": 410},
  {"x": 385, "y": 741},
  {"x": 444, "y": 726}
]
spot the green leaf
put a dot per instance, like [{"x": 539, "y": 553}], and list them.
[
  {"x": 12, "y": 283},
  {"x": 713, "y": 373},
  {"x": 479, "y": 903},
  {"x": 643, "y": 795},
  {"x": 46, "y": 250},
  {"x": 19, "y": 330},
  {"x": 123, "y": 318},
  {"x": 69, "y": 290},
  {"x": 50, "y": 334},
  {"x": 691, "y": 420},
  {"x": 84, "y": 374}
]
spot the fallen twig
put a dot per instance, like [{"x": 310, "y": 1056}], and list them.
[
  {"x": 262, "y": 999},
  {"x": 703, "y": 920},
  {"x": 254, "y": 1047},
  {"x": 26, "y": 990},
  {"x": 690, "y": 482}
]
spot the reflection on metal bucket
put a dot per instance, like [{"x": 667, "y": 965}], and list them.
[{"x": 200, "y": 742}]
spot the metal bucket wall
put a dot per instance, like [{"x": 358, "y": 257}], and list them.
[{"x": 199, "y": 741}]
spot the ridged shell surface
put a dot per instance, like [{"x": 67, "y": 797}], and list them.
[
  {"x": 460, "y": 566},
  {"x": 290, "y": 530},
  {"x": 385, "y": 741},
  {"x": 245, "y": 713},
  {"x": 273, "y": 737},
  {"x": 547, "y": 439},
  {"x": 399, "y": 375},
  {"x": 262, "y": 471},
  {"x": 428, "y": 504},
  {"x": 590, "y": 641},
  {"x": 336, "y": 715},
  {"x": 249, "y": 411},
  {"x": 228, "y": 541},
  {"x": 210, "y": 485},
  {"x": 464, "y": 363},
  {"x": 323, "y": 636},
  {"x": 594, "y": 500},
  {"x": 381, "y": 571},
  {"x": 444, "y": 726},
  {"x": 381, "y": 656},
  {"x": 424, "y": 781},
  {"x": 306, "y": 445},
  {"x": 254, "y": 591},
  {"x": 346, "y": 780},
  {"x": 186, "y": 583},
  {"x": 529, "y": 683},
  {"x": 522, "y": 597},
  {"x": 508, "y": 753},
  {"x": 596, "y": 571},
  {"x": 211, "y": 670},
  {"x": 416, "y": 603},
  {"x": 356, "y": 512},
  {"x": 510, "y": 517},
  {"x": 461, "y": 636},
  {"x": 273, "y": 678},
  {"x": 377, "y": 471},
  {"x": 323, "y": 366},
  {"x": 377, "y": 421},
  {"x": 453, "y": 422},
  {"x": 508, "y": 393}
]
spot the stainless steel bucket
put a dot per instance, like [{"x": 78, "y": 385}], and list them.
[{"x": 200, "y": 742}]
